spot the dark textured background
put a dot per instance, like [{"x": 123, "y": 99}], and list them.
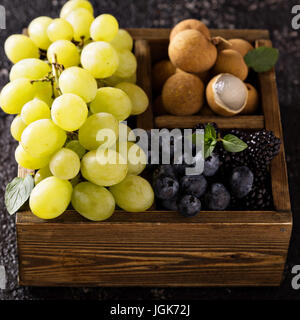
[{"x": 274, "y": 15}]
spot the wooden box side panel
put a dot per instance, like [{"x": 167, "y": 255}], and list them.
[
  {"x": 271, "y": 111},
  {"x": 152, "y": 254}
]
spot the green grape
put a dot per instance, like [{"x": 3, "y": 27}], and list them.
[
  {"x": 69, "y": 112},
  {"x": 32, "y": 69},
  {"x": 18, "y": 47},
  {"x": 127, "y": 64},
  {"x": 65, "y": 164},
  {"x": 72, "y": 5},
  {"x": 125, "y": 132},
  {"x": 122, "y": 40},
  {"x": 100, "y": 59},
  {"x": 78, "y": 81},
  {"x": 93, "y": 202},
  {"x": 89, "y": 133},
  {"x": 17, "y": 127},
  {"x": 50, "y": 198},
  {"x": 112, "y": 100},
  {"x": 104, "y": 28},
  {"x": 104, "y": 167},
  {"x": 15, "y": 94},
  {"x": 25, "y": 160},
  {"x": 81, "y": 20},
  {"x": 135, "y": 156},
  {"x": 44, "y": 92},
  {"x": 60, "y": 29},
  {"x": 133, "y": 194},
  {"x": 137, "y": 96},
  {"x": 42, "y": 174},
  {"x": 66, "y": 53},
  {"x": 76, "y": 147},
  {"x": 35, "y": 109},
  {"x": 131, "y": 79},
  {"x": 42, "y": 138},
  {"x": 37, "y": 31},
  {"x": 113, "y": 80}
]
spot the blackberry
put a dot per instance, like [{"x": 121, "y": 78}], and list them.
[
  {"x": 260, "y": 196},
  {"x": 263, "y": 146}
]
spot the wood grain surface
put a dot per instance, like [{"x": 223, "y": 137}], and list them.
[
  {"x": 238, "y": 122},
  {"x": 271, "y": 110},
  {"x": 168, "y": 253}
]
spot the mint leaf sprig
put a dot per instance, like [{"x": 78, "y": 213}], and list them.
[
  {"x": 262, "y": 59},
  {"x": 230, "y": 142}
]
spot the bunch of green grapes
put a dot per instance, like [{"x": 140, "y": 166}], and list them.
[{"x": 71, "y": 84}]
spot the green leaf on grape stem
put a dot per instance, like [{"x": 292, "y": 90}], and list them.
[{"x": 17, "y": 193}]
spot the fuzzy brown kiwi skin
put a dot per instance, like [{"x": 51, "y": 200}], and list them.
[
  {"x": 212, "y": 103},
  {"x": 161, "y": 71},
  {"x": 231, "y": 61},
  {"x": 252, "y": 101},
  {"x": 190, "y": 24},
  {"x": 183, "y": 94},
  {"x": 204, "y": 76},
  {"x": 192, "y": 52},
  {"x": 241, "y": 45}
]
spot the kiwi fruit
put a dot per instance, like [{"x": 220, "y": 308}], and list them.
[
  {"x": 183, "y": 94},
  {"x": 231, "y": 61},
  {"x": 241, "y": 45},
  {"x": 226, "y": 94},
  {"x": 161, "y": 71},
  {"x": 204, "y": 76},
  {"x": 190, "y": 24},
  {"x": 191, "y": 51},
  {"x": 252, "y": 101}
]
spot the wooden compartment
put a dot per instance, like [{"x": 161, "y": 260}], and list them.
[{"x": 160, "y": 248}]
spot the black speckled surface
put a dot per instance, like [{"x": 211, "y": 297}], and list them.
[{"x": 274, "y": 15}]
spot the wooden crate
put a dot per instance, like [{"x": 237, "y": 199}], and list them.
[{"x": 160, "y": 248}]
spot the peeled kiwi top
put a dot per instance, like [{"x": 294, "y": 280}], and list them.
[
  {"x": 191, "y": 51},
  {"x": 231, "y": 61},
  {"x": 190, "y": 24},
  {"x": 226, "y": 94},
  {"x": 183, "y": 94},
  {"x": 161, "y": 71}
]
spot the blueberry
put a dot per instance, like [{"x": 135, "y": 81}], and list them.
[
  {"x": 218, "y": 198},
  {"x": 183, "y": 163},
  {"x": 211, "y": 165},
  {"x": 170, "y": 204},
  {"x": 166, "y": 187},
  {"x": 189, "y": 205},
  {"x": 193, "y": 185},
  {"x": 166, "y": 170},
  {"x": 241, "y": 181}
]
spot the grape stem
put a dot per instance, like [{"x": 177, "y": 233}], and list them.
[{"x": 56, "y": 69}]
